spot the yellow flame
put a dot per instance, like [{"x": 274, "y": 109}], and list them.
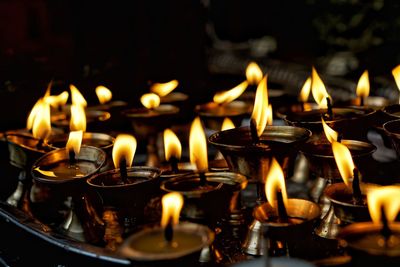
[
  {"x": 163, "y": 89},
  {"x": 78, "y": 118},
  {"x": 230, "y": 95},
  {"x": 57, "y": 100},
  {"x": 260, "y": 110},
  {"x": 344, "y": 161},
  {"x": 198, "y": 145},
  {"x": 227, "y": 124},
  {"x": 124, "y": 148},
  {"x": 305, "y": 90},
  {"x": 172, "y": 145},
  {"x": 330, "y": 134},
  {"x": 150, "y": 100},
  {"x": 171, "y": 208},
  {"x": 103, "y": 94},
  {"x": 275, "y": 181},
  {"x": 76, "y": 96},
  {"x": 363, "y": 85},
  {"x": 33, "y": 113},
  {"x": 386, "y": 196},
  {"x": 41, "y": 128},
  {"x": 47, "y": 93},
  {"x": 396, "y": 75},
  {"x": 318, "y": 90},
  {"x": 74, "y": 141},
  {"x": 253, "y": 73},
  {"x": 270, "y": 115}
]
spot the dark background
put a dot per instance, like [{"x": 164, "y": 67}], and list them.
[{"x": 206, "y": 45}]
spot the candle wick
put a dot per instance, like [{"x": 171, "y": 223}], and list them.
[
  {"x": 169, "y": 231},
  {"x": 357, "y": 196},
  {"x": 174, "y": 164},
  {"x": 253, "y": 132},
  {"x": 203, "y": 179},
  {"x": 123, "y": 171},
  {"x": 71, "y": 157},
  {"x": 282, "y": 213},
  {"x": 385, "y": 231},
  {"x": 40, "y": 143},
  {"x": 302, "y": 106},
  {"x": 329, "y": 104},
  {"x": 361, "y": 101}
]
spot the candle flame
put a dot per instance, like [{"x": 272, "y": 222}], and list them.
[
  {"x": 78, "y": 118},
  {"x": 227, "y": 124},
  {"x": 363, "y": 85},
  {"x": 330, "y": 134},
  {"x": 57, "y": 100},
  {"x": 260, "y": 110},
  {"x": 318, "y": 90},
  {"x": 386, "y": 196},
  {"x": 103, "y": 94},
  {"x": 270, "y": 115},
  {"x": 198, "y": 145},
  {"x": 76, "y": 96},
  {"x": 305, "y": 90},
  {"x": 275, "y": 181},
  {"x": 396, "y": 75},
  {"x": 344, "y": 162},
  {"x": 228, "y": 96},
  {"x": 150, "y": 100},
  {"x": 74, "y": 141},
  {"x": 124, "y": 148},
  {"x": 172, "y": 145},
  {"x": 41, "y": 126},
  {"x": 253, "y": 73},
  {"x": 172, "y": 204},
  {"x": 163, "y": 89},
  {"x": 33, "y": 113}
]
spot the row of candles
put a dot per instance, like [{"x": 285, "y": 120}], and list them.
[{"x": 256, "y": 154}]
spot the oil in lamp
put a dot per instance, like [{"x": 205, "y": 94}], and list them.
[
  {"x": 209, "y": 196},
  {"x": 376, "y": 242},
  {"x": 125, "y": 188},
  {"x": 248, "y": 150},
  {"x": 287, "y": 219},
  {"x": 66, "y": 170},
  {"x": 172, "y": 242},
  {"x": 224, "y": 105},
  {"x": 149, "y": 121},
  {"x": 165, "y": 92}
]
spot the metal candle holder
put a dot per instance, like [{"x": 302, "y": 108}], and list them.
[{"x": 392, "y": 130}]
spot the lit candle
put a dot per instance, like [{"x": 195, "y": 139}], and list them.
[
  {"x": 172, "y": 149},
  {"x": 123, "y": 153}
]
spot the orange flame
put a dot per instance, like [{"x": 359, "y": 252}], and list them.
[
  {"x": 103, "y": 94},
  {"x": 74, "y": 141},
  {"x": 150, "y": 100},
  {"x": 275, "y": 181},
  {"x": 172, "y": 145},
  {"x": 124, "y": 147},
  {"x": 396, "y": 75},
  {"x": 270, "y": 115},
  {"x": 363, "y": 85},
  {"x": 318, "y": 90},
  {"x": 77, "y": 97},
  {"x": 163, "y": 89},
  {"x": 253, "y": 73},
  {"x": 57, "y": 100},
  {"x": 41, "y": 128},
  {"x": 228, "y": 96},
  {"x": 305, "y": 90},
  {"x": 78, "y": 118},
  {"x": 198, "y": 145},
  {"x": 33, "y": 113},
  {"x": 386, "y": 196},
  {"x": 172, "y": 204},
  {"x": 344, "y": 161},
  {"x": 330, "y": 134},
  {"x": 227, "y": 124},
  {"x": 260, "y": 110}
]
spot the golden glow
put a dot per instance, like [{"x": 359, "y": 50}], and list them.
[
  {"x": 396, "y": 75},
  {"x": 253, "y": 73},
  {"x": 386, "y": 196},
  {"x": 227, "y": 124},
  {"x": 305, "y": 90},
  {"x": 172, "y": 204},
  {"x": 344, "y": 162},
  {"x": 76, "y": 96},
  {"x": 33, "y": 113},
  {"x": 57, "y": 100},
  {"x": 318, "y": 90},
  {"x": 41, "y": 128},
  {"x": 363, "y": 85},
  {"x": 163, "y": 89},
  {"x": 228, "y": 96},
  {"x": 172, "y": 145},
  {"x": 103, "y": 94},
  {"x": 74, "y": 141},
  {"x": 330, "y": 134},
  {"x": 260, "y": 110},
  {"x": 124, "y": 147},
  {"x": 270, "y": 115},
  {"x": 275, "y": 181},
  {"x": 78, "y": 118},
  {"x": 198, "y": 145},
  {"x": 150, "y": 100}
]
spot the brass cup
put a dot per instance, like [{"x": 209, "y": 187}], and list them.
[{"x": 392, "y": 130}]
